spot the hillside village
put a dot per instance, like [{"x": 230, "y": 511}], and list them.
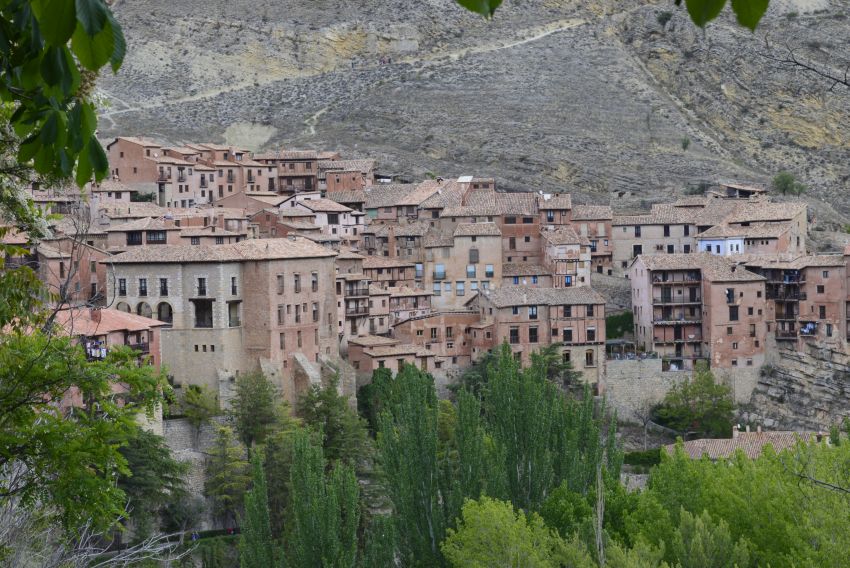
[{"x": 214, "y": 262}]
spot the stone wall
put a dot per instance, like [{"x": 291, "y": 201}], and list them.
[
  {"x": 802, "y": 390},
  {"x": 190, "y": 448},
  {"x": 634, "y": 385}
]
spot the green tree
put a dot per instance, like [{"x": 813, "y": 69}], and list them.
[
  {"x": 492, "y": 533},
  {"x": 374, "y": 397},
  {"x": 257, "y": 548},
  {"x": 155, "y": 479},
  {"x": 700, "y": 406},
  {"x": 278, "y": 455},
  {"x": 343, "y": 432},
  {"x": 380, "y": 543},
  {"x": 325, "y": 510},
  {"x": 701, "y": 543},
  {"x": 255, "y": 408},
  {"x": 408, "y": 451},
  {"x": 68, "y": 456},
  {"x": 566, "y": 511},
  {"x": 786, "y": 184},
  {"x": 199, "y": 405},
  {"x": 227, "y": 476}
]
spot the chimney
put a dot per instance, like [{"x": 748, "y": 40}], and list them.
[
  {"x": 748, "y": 428},
  {"x": 758, "y": 428},
  {"x": 734, "y": 431},
  {"x": 94, "y": 313}
]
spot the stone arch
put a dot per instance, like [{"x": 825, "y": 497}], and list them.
[
  {"x": 164, "y": 312},
  {"x": 144, "y": 310},
  {"x": 123, "y": 307}
]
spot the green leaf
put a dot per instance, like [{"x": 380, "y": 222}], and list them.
[
  {"x": 53, "y": 66},
  {"x": 703, "y": 11},
  {"x": 93, "y": 15},
  {"x": 119, "y": 45},
  {"x": 93, "y": 52},
  {"x": 57, "y": 20},
  {"x": 29, "y": 148},
  {"x": 88, "y": 120},
  {"x": 84, "y": 168},
  {"x": 484, "y": 7},
  {"x": 749, "y": 12},
  {"x": 50, "y": 129},
  {"x": 97, "y": 157}
]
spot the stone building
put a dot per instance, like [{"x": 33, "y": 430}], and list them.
[
  {"x": 594, "y": 223},
  {"x": 235, "y": 308},
  {"x": 457, "y": 267},
  {"x": 665, "y": 230},
  {"x": 531, "y": 318},
  {"x": 567, "y": 256},
  {"x": 699, "y": 307}
]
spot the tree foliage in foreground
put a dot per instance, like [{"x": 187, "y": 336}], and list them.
[
  {"x": 255, "y": 408},
  {"x": 66, "y": 456},
  {"x": 227, "y": 476},
  {"x": 257, "y": 548},
  {"x": 748, "y": 12}
]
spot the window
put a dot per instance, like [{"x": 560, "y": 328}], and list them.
[
  {"x": 203, "y": 313},
  {"x": 728, "y": 331},
  {"x": 512, "y": 243},
  {"x": 749, "y": 311},
  {"x": 567, "y": 335},
  {"x": 315, "y": 311},
  {"x": 666, "y": 230},
  {"x": 419, "y": 270},
  {"x": 314, "y": 281},
  {"x": 234, "y": 290},
  {"x": 219, "y": 240},
  {"x": 733, "y": 313},
  {"x": 419, "y": 333},
  {"x": 825, "y": 273},
  {"x": 202, "y": 286},
  {"x": 527, "y": 239},
  {"x": 590, "y": 310},
  {"x": 752, "y": 330},
  {"x": 516, "y": 280},
  {"x": 822, "y": 312},
  {"x": 470, "y": 271},
  {"x": 591, "y": 335},
  {"x": 568, "y": 311},
  {"x": 473, "y": 256},
  {"x": 282, "y": 341},
  {"x": 134, "y": 238},
  {"x": 434, "y": 332},
  {"x": 195, "y": 240},
  {"x": 588, "y": 358},
  {"x": 449, "y": 333},
  {"x": 532, "y": 312},
  {"x": 734, "y": 345},
  {"x": 156, "y": 237},
  {"x": 514, "y": 336},
  {"x": 163, "y": 286},
  {"x": 829, "y": 330},
  {"x": 439, "y": 271},
  {"x": 820, "y": 288},
  {"x": 510, "y": 220},
  {"x": 143, "y": 286},
  {"x": 637, "y": 230},
  {"x": 488, "y": 270},
  {"x": 532, "y": 335},
  {"x": 670, "y": 249},
  {"x": 298, "y": 314},
  {"x": 280, "y": 315},
  {"x": 687, "y": 229},
  {"x": 122, "y": 286},
  {"x": 437, "y": 289},
  {"x": 565, "y": 357},
  {"x": 298, "y": 337},
  {"x": 515, "y": 310},
  {"x": 297, "y": 279},
  {"x": 460, "y": 288}
]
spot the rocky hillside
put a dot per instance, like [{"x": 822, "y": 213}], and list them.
[{"x": 611, "y": 100}]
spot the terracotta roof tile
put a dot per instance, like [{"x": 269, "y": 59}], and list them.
[
  {"x": 506, "y": 296},
  {"x": 247, "y": 250},
  {"x": 477, "y": 230}
]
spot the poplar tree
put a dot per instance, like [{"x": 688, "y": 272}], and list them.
[
  {"x": 408, "y": 449},
  {"x": 256, "y": 545},
  {"x": 324, "y": 508}
]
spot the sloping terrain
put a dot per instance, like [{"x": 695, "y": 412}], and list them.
[{"x": 596, "y": 98}]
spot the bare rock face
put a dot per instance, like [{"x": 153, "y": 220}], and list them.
[
  {"x": 804, "y": 391},
  {"x": 611, "y": 100}
]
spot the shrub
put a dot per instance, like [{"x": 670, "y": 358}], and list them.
[
  {"x": 643, "y": 457},
  {"x": 663, "y": 18},
  {"x": 686, "y": 143}
]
